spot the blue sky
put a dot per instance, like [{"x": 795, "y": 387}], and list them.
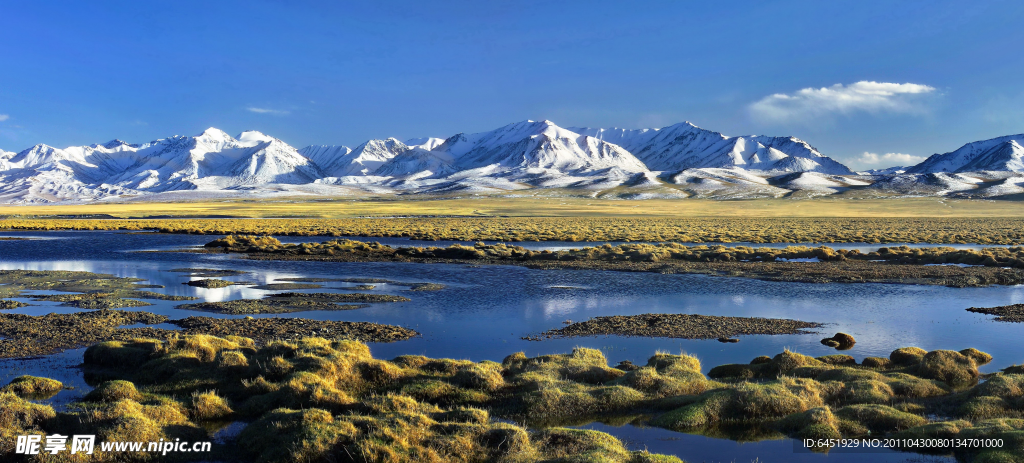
[{"x": 907, "y": 78}]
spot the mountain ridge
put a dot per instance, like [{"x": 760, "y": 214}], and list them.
[{"x": 680, "y": 160}]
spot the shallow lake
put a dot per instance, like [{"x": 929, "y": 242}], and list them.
[{"x": 485, "y": 310}]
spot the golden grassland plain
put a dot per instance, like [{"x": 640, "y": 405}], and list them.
[
  {"x": 315, "y": 399},
  {"x": 929, "y": 220},
  {"x": 532, "y": 207}
]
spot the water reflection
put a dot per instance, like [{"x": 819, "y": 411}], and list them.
[{"x": 485, "y": 310}]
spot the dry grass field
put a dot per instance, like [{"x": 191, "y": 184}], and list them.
[
  {"x": 930, "y": 220},
  {"x": 533, "y": 207}
]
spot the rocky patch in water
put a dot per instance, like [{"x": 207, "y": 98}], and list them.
[
  {"x": 84, "y": 290},
  {"x": 213, "y": 283},
  {"x": 287, "y": 286},
  {"x": 292, "y": 302},
  {"x": 25, "y": 335},
  {"x": 269, "y": 329},
  {"x": 368, "y": 283},
  {"x": 686, "y": 326},
  {"x": 1006, "y": 313},
  {"x": 8, "y": 304},
  {"x": 207, "y": 272}
]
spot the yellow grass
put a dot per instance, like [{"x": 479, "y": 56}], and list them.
[{"x": 536, "y": 207}]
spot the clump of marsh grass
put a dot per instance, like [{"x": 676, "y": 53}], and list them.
[
  {"x": 335, "y": 401},
  {"x": 33, "y": 387}
]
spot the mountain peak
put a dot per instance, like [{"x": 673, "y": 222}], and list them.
[
  {"x": 215, "y": 134},
  {"x": 254, "y": 136},
  {"x": 996, "y": 154},
  {"x": 115, "y": 143}
]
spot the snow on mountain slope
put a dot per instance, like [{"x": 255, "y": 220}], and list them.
[
  {"x": 417, "y": 163},
  {"x": 672, "y": 162},
  {"x": 815, "y": 183},
  {"x": 339, "y": 161},
  {"x": 211, "y": 160},
  {"x": 427, "y": 143},
  {"x": 331, "y": 159},
  {"x": 998, "y": 154},
  {"x": 731, "y": 183},
  {"x": 886, "y": 171},
  {"x": 685, "y": 146},
  {"x": 930, "y": 184},
  {"x": 537, "y": 145}
]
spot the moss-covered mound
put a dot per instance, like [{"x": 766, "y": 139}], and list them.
[
  {"x": 33, "y": 387},
  {"x": 331, "y": 399},
  {"x": 320, "y": 400}
]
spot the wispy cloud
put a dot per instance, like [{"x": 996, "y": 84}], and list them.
[
  {"x": 888, "y": 159},
  {"x": 275, "y": 112},
  {"x": 4, "y": 117},
  {"x": 811, "y": 104}
]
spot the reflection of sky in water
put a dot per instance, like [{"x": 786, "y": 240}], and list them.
[
  {"x": 692, "y": 448},
  {"x": 486, "y": 309}
]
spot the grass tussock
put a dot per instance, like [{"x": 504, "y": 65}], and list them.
[
  {"x": 33, "y": 387},
  {"x": 315, "y": 399}
]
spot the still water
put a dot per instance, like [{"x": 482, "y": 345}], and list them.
[{"x": 485, "y": 310}]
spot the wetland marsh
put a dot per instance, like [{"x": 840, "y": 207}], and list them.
[{"x": 480, "y": 313}]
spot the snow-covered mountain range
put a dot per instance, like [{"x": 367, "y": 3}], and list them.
[{"x": 678, "y": 161}]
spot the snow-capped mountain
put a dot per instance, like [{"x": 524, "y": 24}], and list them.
[
  {"x": 678, "y": 161},
  {"x": 685, "y": 146},
  {"x": 998, "y": 154},
  {"x": 537, "y": 145},
  {"x": 339, "y": 161},
  {"x": 886, "y": 171},
  {"x": 212, "y": 160}
]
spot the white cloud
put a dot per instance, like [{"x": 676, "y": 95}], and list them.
[
  {"x": 888, "y": 159},
  {"x": 276, "y": 112},
  {"x": 810, "y": 104},
  {"x": 4, "y": 117}
]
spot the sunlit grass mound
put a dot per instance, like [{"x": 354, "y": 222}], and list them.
[
  {"x": 33, "y": 387},
  {"x": 333, "y": 399},
  {"x": 399, "y": 429},
  {"x": 322, "y": 400},
  {"x": 20, "y": 417}
]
